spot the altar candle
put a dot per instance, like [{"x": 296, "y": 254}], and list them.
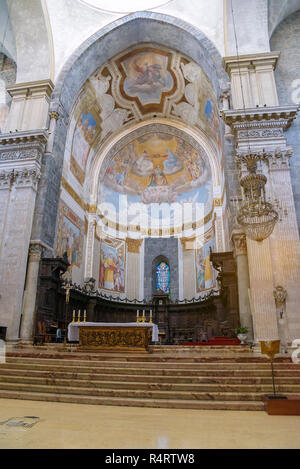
[
  {"x": 150, "y": 315},
  {"x": 137, "y": 316},
  {"x": 84, "y": 316},
  {"x": 78, "y": 320},
  {"x": 73, "y": 320}
]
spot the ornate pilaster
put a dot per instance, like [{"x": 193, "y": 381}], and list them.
[
  {"x": 258, "y": 124},
  {"x": 21, "y": 155}
]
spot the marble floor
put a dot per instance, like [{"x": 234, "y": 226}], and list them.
[{"x": 61, "y": 425}]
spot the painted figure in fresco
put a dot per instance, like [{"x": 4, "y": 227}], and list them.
[
  {"x": 110, "y": 268},
  {"x": 209, "y": 110},
  {"x": 193, "y": 168},
  {"x": 200, "y": 272},
  {"x": 118, "y": 286},
  {"x": 148, "y": 74},
  {"x": 143, "y": 164},
  {"x": 172, "y": 163},
  {"x": 208, "y": 272},
  {"x": 158, "y": 178},
  {"x": 102, "y": 269}
]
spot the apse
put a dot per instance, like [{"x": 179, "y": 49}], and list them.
[{"x": 143, "y": 165}]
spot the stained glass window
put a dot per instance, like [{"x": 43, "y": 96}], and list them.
[{"x": 163, "y": 277}]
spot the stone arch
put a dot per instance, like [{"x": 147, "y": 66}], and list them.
[
  {"x": 94, "y": 52},
  {"x": 126, "y": 32}
]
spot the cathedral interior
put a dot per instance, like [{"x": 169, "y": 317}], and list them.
[{"x": 149, "y": 158}]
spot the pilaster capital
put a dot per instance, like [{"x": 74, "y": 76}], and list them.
[
  {"x": 133, "y": 245},
  {"x": 239, "y": 242},
  {"x": 27, "y": 177}
]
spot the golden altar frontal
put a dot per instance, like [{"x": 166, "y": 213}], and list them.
[{"x": 116, "y": 337}]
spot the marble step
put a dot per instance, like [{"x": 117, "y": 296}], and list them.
[
  {"x": 159, "y": 386},
  {"x": 188, "y": 378},
  {"x": 134, "y": 402},
  {"x": 181, "y": 357},
  {"x": 141, "y": 394},
  {"x": 170, "y": 371},
  {"x": 160, "y": 364}
]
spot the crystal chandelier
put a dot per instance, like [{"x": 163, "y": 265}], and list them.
[{"x": 257, "y": 216}]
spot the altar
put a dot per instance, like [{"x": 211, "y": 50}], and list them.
[{"x": 132, "y": 335}]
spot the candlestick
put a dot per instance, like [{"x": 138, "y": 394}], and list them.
[
  {"x": 84, "y": 316},
  {"x": 73, "y": 320},
  {"x": 150, "y": 320},
  {"x": 138, "y": 316},
  {"x": 144, "y": 316},
  {"x": 78, "y": 320}
]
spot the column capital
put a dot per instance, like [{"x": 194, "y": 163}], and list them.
[
  {"x": 239, "y": 243},
  {"x": 35, "y": 252},
  {"x": 54, "y": 115}
]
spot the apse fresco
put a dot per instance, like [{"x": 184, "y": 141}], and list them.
[
  {"x": 69, "y": 237},
  {"x": 156, "y": 168},
  {"x": 112, "y": 265},
  {"x": 84, "y": 135},
  {"x": 205, "y": 275},
  {"x": 147, "y": 76}
]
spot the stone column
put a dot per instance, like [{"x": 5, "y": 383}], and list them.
[
  {"x": 52, "y": 126},
  {"x": 34, "y": 257},
  {"x": 240, "y": 251}
]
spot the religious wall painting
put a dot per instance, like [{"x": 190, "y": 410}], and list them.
[
  {"x": 69, "y": 237},
  {"x": 112, "y": 265},
  {"x": 84, "y": 135},
  {"x": 205, "y": 275},
  {"x": 147, "y": 77}
]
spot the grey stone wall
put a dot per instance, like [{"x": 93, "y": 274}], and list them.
[
  {"x": 166, "y": 249},
  {"x": 8, "y": 72},
  {"x": 286, "y": 39}
]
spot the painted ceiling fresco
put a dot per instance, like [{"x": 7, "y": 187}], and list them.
[{"x": 144, "y": 82}]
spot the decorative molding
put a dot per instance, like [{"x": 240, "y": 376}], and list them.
[
  {"x": 23, "y": 145},
  {"x": 25, "y": 177},
  {"x": 33, "y": 87},
  {"x": 278, "y": 117},
  {"x": 250, "y": 60}
]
